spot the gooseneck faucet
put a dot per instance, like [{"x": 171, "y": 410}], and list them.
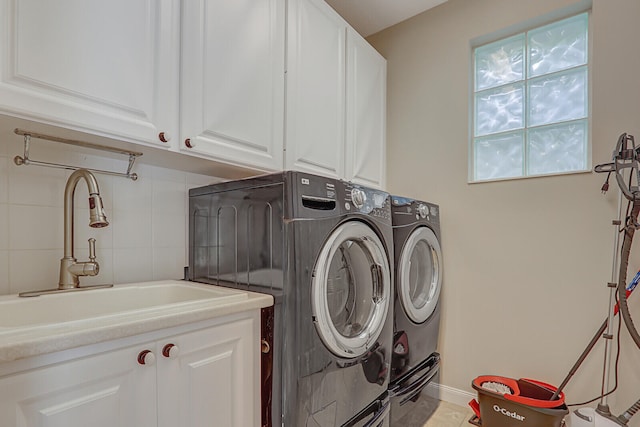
[{"x": 70, "y": 268}]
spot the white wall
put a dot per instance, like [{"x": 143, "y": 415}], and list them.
[
  {"x": 146, "y": 238},
  {"x": 526, "y": 261}
]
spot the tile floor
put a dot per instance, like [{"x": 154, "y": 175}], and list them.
[{"x": 439, "y": 413}]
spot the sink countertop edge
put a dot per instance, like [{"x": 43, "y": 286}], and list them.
[{"x": 63, "y": 336}]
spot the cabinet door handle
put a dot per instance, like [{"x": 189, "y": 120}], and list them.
[
  {"x": 164, "y": 136},
  {"x": 170, "y": 351},
  {"x": 146, "y": 357},
  {"x": 189, "y": 143}
]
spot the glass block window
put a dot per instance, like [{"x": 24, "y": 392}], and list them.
[{"x": 531, "y": 103}]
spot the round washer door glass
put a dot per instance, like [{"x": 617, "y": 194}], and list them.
[
  {"x": 351, "y": 289},
  {"x": 420, "y": 274}
]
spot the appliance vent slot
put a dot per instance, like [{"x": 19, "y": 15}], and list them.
[{"x": 318, "y": 203}]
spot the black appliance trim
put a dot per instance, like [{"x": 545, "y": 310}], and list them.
[
  {"x": 379, "y": 409},
  {"x": 408, "y": 392},
  {"x": 266, "y": 365}
]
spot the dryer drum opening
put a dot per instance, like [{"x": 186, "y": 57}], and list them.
[
  {"x": 351, "y": 289},
  {"x": 420, "y": 276}
]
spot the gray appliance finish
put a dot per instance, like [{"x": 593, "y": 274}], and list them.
[
  {"x": 322, "y": 248},
  {"x": 418, "y": 282}
]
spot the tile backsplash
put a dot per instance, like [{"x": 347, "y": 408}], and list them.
[{"x": 145, "y": 240}]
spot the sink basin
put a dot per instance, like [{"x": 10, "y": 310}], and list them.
[
  {"x": 52, "y": 323},
  {"x": 119, "y": 300}
]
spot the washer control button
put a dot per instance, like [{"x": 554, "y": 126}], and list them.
[
  {"x": 423, "y": 210},
  {"x": 358, "y": 197}
]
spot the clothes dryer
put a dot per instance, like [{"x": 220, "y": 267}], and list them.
[
  {"x": 418, "y": 282},
  {"x": 323, "y": 249}
]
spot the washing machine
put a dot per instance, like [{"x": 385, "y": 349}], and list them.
[
  {"x": 418, "y": 283},
  {"x": 323, "y": 248}
]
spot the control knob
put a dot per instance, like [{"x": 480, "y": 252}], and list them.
[
  {"x": 423, "y": 210},
  {"x": 358, "y": 197}
]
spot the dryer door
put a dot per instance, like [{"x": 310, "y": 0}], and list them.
[
  {"x": 351, "y": 289},
  {"x": 420, "y": 274}
]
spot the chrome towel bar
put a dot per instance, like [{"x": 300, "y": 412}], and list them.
[{"x": 25, "y": 160}]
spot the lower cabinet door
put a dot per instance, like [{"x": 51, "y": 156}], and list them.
[
  {"x": 209, "y": 377},
  {"x": 106, "y": 390}
]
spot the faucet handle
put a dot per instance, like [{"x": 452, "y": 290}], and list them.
[
  {"x": 89, "y": 268},
  {"x": 92, "y": 249}
]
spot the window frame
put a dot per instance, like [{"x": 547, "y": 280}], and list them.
[{"x": 523, "y": 31}]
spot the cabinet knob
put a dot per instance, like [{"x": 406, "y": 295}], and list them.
[
  {"x": 264, "y": 346},
  {"x": 146, "y": 357},
  {"x": 189, "y": 143},
  {"x": 164, "y": 136},
  {"x": 170, "y": 351}
]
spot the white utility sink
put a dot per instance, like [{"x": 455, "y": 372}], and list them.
[
  {"x": 73, "y": 306},
  {"x": 59, "y": 321}
]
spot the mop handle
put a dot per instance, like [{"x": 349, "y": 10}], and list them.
[
  {"x": 593, "y": 341},
  {"x": 581, "y": 359}
]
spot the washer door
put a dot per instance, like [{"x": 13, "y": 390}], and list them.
[
  {"x": 420, "y": 274},
  {"x": 350, "y": 290}
]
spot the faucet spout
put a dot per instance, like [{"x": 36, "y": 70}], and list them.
[{"x": 70, "y": 269}]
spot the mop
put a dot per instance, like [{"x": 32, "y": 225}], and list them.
[
  {"x": 625, "y": 156},
  {"x": 496, "y": 387}
]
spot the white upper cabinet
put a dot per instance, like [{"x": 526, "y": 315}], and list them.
[
  {"x": 232, "y": 82},
  {"x": 103, "y": 67},
  {"x": 336, "y": 97},
  {"x": 315, "y": 89},
  {"x": 202, "y": 77},
  {"x": 366, "y": 113}
]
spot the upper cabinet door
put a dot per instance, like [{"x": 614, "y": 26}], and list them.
[
  {"x": 366, "y": 113},
  {"x": 232, "y": 81},
  {"x": 315, "y": 88},
  {"x": 103, "y": 67}
]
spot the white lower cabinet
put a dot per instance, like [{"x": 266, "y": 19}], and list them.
[
  {"x": 104, "y": 390},
  {"x": 213, "y": 379},
  {"x": 200, "y": 378}
]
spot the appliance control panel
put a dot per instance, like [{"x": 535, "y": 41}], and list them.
[
  {"x": 367, "y": 201},
  {"x": 327, "y": 196},
  {"x": 405, "y": 209}
]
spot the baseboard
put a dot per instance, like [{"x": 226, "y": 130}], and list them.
[{"x": 449, "y": 394}]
